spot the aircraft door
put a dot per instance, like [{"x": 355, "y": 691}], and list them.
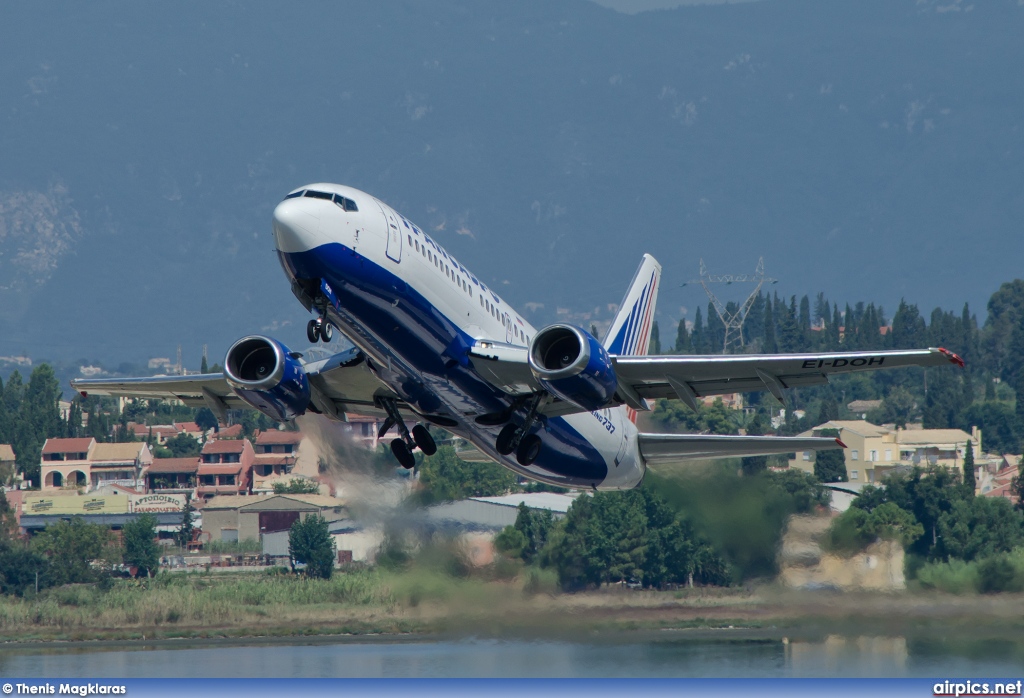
[
  {"x": 508, "y": 328},
  {"x": 394, "y": 231}
]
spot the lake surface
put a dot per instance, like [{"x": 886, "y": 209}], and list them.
[{"x": 644, "y": 657}]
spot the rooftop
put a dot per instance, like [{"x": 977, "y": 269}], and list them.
[
  {"x": 230, "y": 501},
  {"x": 225, "y": 446},
  {"x": 121, "y": 452},
  {"x": 174, "y": 465},
  {"x": 857, "y": 426},
  {"x": 933, "y": 436},
  {"x": 273, "y": 436},
  {"x": 220, "y": 468},
  {"x": 67, "y": 445},
  {"x": 6, "y": 452},
  {"x": 552, "y": 501}
]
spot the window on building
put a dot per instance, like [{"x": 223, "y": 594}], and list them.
[
  {"x": 288, "y": 448},
  {"x": 888, "y": 454},
  {"x": 854, "y": 454},
  {"x": 807, "y": 455},
  {"x": 874, "y": 456},
  {"x": 207, "y": 480},
  {"x": 853, "y": 474},
  {"x": 227, "y": 479}
]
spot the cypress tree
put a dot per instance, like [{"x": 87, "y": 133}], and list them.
[
  {"x": 970, "y": 479},
  {"x": 654, "y": 346},
  {"x": 699, "y": 337},
  {"x": 682, "y": 338},
  {"x": 833, "y": 331},
  {"x": 770, "y": 346},
  {"x": 752, "y": 465},
  {"x": 805, "y": 323},
  {"x": 830, "y": 466}
]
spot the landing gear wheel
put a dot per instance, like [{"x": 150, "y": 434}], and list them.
[
  {"x": 424, "y": 440},
  {"x": 326, "y": 331},
  {"x": 506, "y": 439},
  {"x": 529, "y": 449},
  {"x": 403, "y": 454},
  {"x": 312, "y": 332}
]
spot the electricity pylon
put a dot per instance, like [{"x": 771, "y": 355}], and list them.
[{"x": 734, "y": 320}]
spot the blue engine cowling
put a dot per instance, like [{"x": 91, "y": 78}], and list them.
[
  {"x": 571, "y": 364},
  {"x": 263, "y": 373}
]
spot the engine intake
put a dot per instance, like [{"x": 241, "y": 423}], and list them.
[
  {"x": 262, "y": 372},
  {"x": 571, "y": 364}
]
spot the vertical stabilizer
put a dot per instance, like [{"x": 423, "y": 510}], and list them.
[{"x": 630, "y": 333}]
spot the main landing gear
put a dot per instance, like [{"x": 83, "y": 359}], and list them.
[
  {"x": 513, "y": 437},
  {"x": 319, "y": 329},
  {"x": 403, "y": 446}
]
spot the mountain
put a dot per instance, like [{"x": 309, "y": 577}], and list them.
[{"x": 870, "y": 149}]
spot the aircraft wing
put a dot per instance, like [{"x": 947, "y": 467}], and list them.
[
  {"x": 667, "y": 448},
  {"x": 688, "y": 378},
  {"x": 339, "y": 384}
]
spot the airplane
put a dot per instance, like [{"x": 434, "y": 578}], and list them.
[{"x": 433, "y": 344}]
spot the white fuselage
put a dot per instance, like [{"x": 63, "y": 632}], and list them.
[{"x": 408, "y": 304}]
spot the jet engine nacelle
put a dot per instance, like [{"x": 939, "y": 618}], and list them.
[
  {"x": 571, "y": 364},
  {"x": 263, "y": 373}
]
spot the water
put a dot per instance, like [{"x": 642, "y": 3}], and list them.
[{"x": 637, "y": 657}]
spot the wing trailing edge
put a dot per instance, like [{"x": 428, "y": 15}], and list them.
[{"x": 668, "y": 448}]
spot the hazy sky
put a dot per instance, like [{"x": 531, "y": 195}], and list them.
[{"x": 634, "y": 6}]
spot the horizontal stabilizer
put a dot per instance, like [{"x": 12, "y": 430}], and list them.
[{"x": 667, "y": 448}]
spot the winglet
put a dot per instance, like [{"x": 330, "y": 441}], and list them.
[
  {"x": 841, "y": 444},
  {"x": 953, "y": 358}
]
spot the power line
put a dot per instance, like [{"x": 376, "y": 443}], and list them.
[{"x": 733, "y": 320}]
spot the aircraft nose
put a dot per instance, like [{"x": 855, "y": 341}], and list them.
[{"x": 296, "y": 228}]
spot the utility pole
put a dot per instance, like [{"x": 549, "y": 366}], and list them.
[{"x": 733, "y": 320}]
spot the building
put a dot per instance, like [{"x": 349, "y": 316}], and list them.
[
  {"x": 238, "y": 518},
  {"x": 173, "y": 475},
  {"x": 276, "y": 455},
  {"x": 495, "y": 513},
  {"x": 121, "y": 464},
  {"x": 7, "y": 465},
  {"x": 65, "y": 463},
  {"x": 39, "y": 510},
  {"x": 159, "y": 432},
  {"x": 225, "y": 467},
  {"x": 873, "y": 451},
  {"x": 365, "y": 429}
]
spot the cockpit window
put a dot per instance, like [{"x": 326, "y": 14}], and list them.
[
  {"x": 346, "y": 204},
  {"x": 294, "y": 194},
  {"x": 310, "y": 194}
]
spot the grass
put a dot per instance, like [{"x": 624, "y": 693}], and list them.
[{"x": 431, "y": 599}]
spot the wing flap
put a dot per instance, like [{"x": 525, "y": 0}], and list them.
[{"x": 666, "y": 448}]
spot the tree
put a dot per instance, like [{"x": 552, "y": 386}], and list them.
[
  {"x": 21, "y": 569},
  {"x": 970, "y": 477},
  {"x": 297, "y": 485},
  {"x": 205, "y": 419},
  {"x": 73, "y": 547},
  {"x": 1017, "y": 485},
  {"x": 654, "y": 346},
  {"x": 682, "y": 338},
  {"x": 830, "y": 465},
  {"x": 203, "y": 367},
  {"x": 446, "y": 477},
  {"x": 182, "y": 446},
  {"x": 898, "y": 407},
  {"x": 829, "y": 407},
  {"x": 140, "y": 547},
  {"x": 752, "y": 465},
  {"x": 979, "y": 527},
  {"x": 188, "y": 518},
  {"x": 310, "y": 543},
  {"x": 998, "y": 422}
]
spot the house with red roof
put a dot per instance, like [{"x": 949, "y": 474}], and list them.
[{"x": 225, "y": 467}]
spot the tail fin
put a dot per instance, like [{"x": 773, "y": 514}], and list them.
[{"x": 630, "y": 333}]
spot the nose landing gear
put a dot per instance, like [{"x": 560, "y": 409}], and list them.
[{"x": 403, "y": 446}]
